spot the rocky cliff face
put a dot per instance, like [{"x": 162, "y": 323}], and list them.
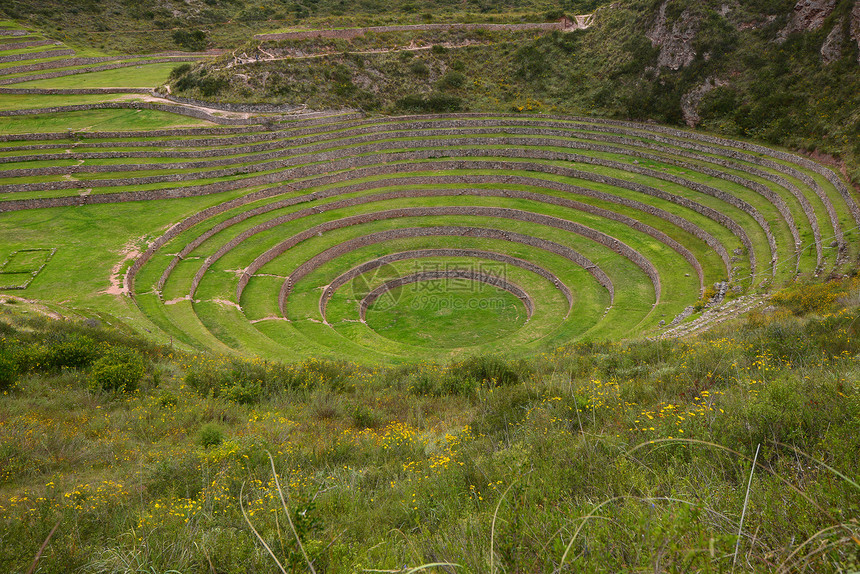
[
  {"x": 675, "y": 41},
  {"x": 831, "y": 50},
  {"x": 691, "y": 100},
  {"x": 855, "y": 27},
  {"x": 838, "y": 40},
  {"x": 808, "y": 15}
]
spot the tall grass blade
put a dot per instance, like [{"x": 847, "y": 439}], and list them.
[
  {"x": 44, "y": 545},
  {"x": 493, "y": 527},
  {"x": 257, "y": 534},
  {"x": 744, "y": 511},
  {"x": 585, "y": 519},
  {"x": 433, "y": 565},
  {"x": 290, "y": 518}
]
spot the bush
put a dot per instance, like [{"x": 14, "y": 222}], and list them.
[
  {"x": 488, "y": 371},
  {"x": 206, "y": 380},
  {"x": 364, "y": 417},
  {"x": 75, "y": 352},
  {"x": 211, "y": 435},
  {"x": 244, "y": 392},
  {"x": 419, "y": 68},
  {"x": 816, "y": 298},
  {"x": 180, "y": 71},
  {"x": 120, "y": 370},
  {"x": 192, "y": 40},
  {"x": 167, "y": 399},
  {"x": 452, "y": 79}
]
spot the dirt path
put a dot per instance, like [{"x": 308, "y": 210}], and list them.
[
  {"x": 244, "y": 59},
  {"x": 117, "y": 281}
]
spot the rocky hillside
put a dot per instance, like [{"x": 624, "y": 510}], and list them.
[{"x": 781, "y": 71}]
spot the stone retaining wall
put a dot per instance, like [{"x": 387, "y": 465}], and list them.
[
  {"x": 828, "y": 174},
  {"x": 35, "y": 56},
  {"x": 74, "y": 91},
  {"x": 332, "y": 155},
  {"x": 762, "y": 190},
  {"x": 502, "y": 213},
  {"x": 299, "y": 124},
  {"x": 338, "y": 162},
  {"x": 420, "y": 180},
  {"x": 402, "y": 194},
  {"x": 228, "y": 107},
  {"x": 13, "y": 32},
  {"x": 64, "y": 63},
  {"x": 359, "y": 172},
  {"x": 459, "y": 121},
  {"x": 182, "y": 110},
  {"x": 684, "y": 224},
  {"x": 30, "y": 44},
  {"x": 444, "y": 231},
  {"x": 87, "y": 70},
  {"x": 807, "y": 163}
]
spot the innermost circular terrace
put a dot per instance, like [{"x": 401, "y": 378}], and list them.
[{"x": 437, "y": 314}]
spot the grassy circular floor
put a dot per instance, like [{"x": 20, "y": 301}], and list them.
[{"x": 446, "y": 313}]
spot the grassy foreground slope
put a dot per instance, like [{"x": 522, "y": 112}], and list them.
[{"x": 597, "y": 458}]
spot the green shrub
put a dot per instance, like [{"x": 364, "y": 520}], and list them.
[
  {"x": 364, "y": 417},
  {"x": 244, "y": 392},
  {"x": 192, "y": 40},
  {"x": 419, "y": 68},
  {"x": 167, "y": 399},
  {"x": 75, "y": 352},
  {"x": 120, "y": 370},
  {"x": 452, "y": 79},
  {"x": 211, "y": 435},
  {"x": 180, "y": 71},
  {"x": 435, "y": 103},
  {"x": 439, "y": 103},
  {"x": 488, "y": 371},
  {"x": 205, "y": 379},
  {"x": 801, "y": 299}
]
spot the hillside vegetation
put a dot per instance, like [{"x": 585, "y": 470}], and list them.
[
  {"x": 744, "y": 68},
  {"x": 598, "y": 457},
  {"x": 158, "y": 25}
]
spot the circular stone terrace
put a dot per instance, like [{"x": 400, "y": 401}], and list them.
[{"x": 387, "y": 239}]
